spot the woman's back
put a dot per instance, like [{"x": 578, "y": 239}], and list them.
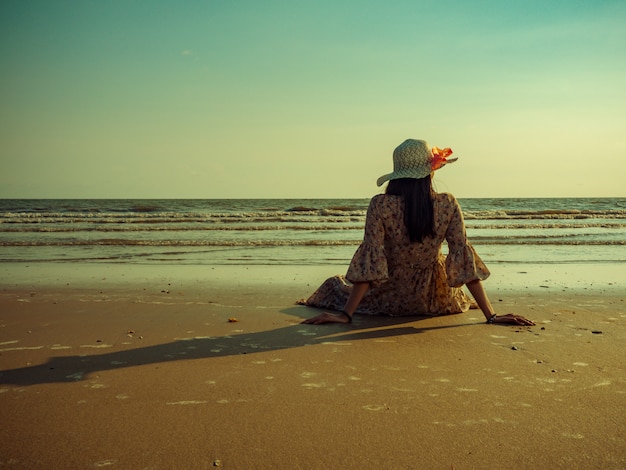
[{"x": 386, "y": 223}]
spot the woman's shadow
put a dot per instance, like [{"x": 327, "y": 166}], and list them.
[{"x": 78, "y": 367}]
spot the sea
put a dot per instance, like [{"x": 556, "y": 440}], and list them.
[{"x": 292, "y": 231}]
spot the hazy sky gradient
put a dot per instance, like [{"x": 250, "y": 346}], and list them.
[{"x": 220, "y": 99}]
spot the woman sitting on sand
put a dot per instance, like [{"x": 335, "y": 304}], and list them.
[{"x": 399, "y": 268}]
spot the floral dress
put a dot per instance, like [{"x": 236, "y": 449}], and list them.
[{"x": 407, "y": 278}]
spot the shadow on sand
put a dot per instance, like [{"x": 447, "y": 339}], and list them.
[{"x": 64, "y": 369}]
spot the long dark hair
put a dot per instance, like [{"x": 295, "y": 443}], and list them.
[{"x": 418, "y": 205}]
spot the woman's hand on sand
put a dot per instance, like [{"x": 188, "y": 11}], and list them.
[
  {"x": 512, "y": 319},
  {"x": 326, "y": 317}
]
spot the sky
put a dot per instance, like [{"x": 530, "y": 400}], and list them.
[{"x": 302, "y": 99}]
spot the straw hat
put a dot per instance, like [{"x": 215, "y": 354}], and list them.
[{"x": 415, "y": 159}]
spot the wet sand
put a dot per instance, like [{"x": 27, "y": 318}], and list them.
[{"x": 200, "y": 367}]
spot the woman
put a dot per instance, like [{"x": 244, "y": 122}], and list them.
[{"x": 399, "y": 268}]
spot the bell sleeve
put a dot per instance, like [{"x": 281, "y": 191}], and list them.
[
  {"x": 369, "y": 263},
  {"x": 463, "y": 264}
]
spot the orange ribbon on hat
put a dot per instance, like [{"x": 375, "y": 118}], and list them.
[{"x": 440, "y": 157}]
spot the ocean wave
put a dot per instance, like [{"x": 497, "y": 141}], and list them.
[
  {"x": 544, "y": 214},
  {"x": 543, "y": 229},
  {"x": 154, "y": 216},
  {"x": 181, "y": 243},
  {"x": 255, "y": 226},
  {"x": 564, "y": 241},
  {"x": 194, "y": 228},
  {"x": 160, "y": 218}
]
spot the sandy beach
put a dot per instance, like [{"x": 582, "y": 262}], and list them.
[{"x": 136, "y": 367}]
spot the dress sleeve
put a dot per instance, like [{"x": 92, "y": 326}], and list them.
[
  {"x": 462, "y": 263},
  {"x": 369, "y": 263}
]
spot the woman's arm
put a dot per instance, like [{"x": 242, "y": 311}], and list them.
[
  {"x": 356, "y": 295},
  {"x": 373, "y": 242},
  {"x": 480, "y": 296}
]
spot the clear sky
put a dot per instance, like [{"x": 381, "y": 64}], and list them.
[{"x": 222, "y": 99}]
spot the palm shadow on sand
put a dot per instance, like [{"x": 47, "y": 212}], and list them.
[{"x": 66, "y": 369}]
